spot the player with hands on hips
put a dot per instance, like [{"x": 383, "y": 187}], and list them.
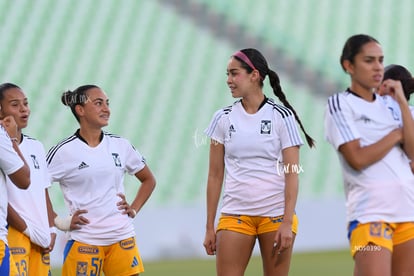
[{"x": 90, "y": 166}]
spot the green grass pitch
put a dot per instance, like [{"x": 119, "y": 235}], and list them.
[{"x": 338, "y": 263}]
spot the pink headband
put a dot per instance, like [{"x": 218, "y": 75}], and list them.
[{"x": 243, "y": 57}]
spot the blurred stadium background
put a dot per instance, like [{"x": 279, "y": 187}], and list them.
[{"x": 162, "y": 64}]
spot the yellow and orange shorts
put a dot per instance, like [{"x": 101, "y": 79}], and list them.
[
  {"x": 374, "y": 236},
  {"x": 7, "y": 265},
  {"x": 252, "y": 225},
  {"x": 120, "y": 259}
]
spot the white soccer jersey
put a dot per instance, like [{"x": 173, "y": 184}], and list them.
[
  {"x": 254, "y": 178},
  {"x": 90, "y": 179},
  {"x": 10, "y": 162},
  {"x": 30, "y": 204},
  {"x": 383, "y": 191}
]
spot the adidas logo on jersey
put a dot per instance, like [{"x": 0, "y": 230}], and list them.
[
  {"x": 134, "y": 262},
  {"x": 83, "y": 165},
  {"x": 231, "y": 129}
]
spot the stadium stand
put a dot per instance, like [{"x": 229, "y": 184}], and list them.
[{"x": 162, "y": 64}]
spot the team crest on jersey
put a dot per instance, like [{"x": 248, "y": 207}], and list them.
[
  {"x": 81, "y": 268},
  {"x": 394, "y": 113},
  {"x": 35, "y": 162},
  {"x": 265, "y": 127},
  {"x": 117, "y": 160}
]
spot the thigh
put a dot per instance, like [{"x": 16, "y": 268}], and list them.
[
  {"x": 402, "y": 263},
  {"x": 123, "y": 258},
  {"x": 20, "y": 247},
  {"x": 274, "y": 263},
  {"x": 82, "y": 259},
  {"x": 233, "y": 251},
  {"x": 371, "y": 246},
  {"x": 370, "y": 262}
]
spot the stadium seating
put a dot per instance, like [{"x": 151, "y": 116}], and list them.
[{"x": 165, "y": 75}]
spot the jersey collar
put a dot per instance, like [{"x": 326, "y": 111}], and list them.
[
  {"x": 355, "y": 94},
  {"x": 77, "y": 134}
]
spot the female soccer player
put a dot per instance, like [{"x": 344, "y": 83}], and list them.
[
  {"x": 374, "y": 138},
  {"x": 90, "y": 166},
  {"x": 13, "y": 165},
  {"x": 30, "y": 216},
  {"x": 255, "y": 143}
]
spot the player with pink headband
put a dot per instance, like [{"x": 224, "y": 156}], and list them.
[{"x": 254, "y": 151}]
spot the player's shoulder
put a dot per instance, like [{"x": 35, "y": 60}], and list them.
[
  {"x": 32, "y": 142},
  {"x": 225, "y": 111},
  {"x": 339, "y": 100},
  {"x": 65, "y": 141},
  {"x": 116, "y": 139},
  {"x": 30, "y": 139},
  {"x": 61, "y": 145},
  {"x": 229, "y": 108},
  {"x": 278, "y": 109},
  {"x": 341, "y": 95}
]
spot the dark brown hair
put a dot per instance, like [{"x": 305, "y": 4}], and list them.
[
  {"x": 399, "y": 72},
  {"x": 261, "y": 65},
  {"x": 353, "y": 46},
  {"x": 76, "y": 97}
]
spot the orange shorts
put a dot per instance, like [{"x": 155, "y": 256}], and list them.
[
  {"x": 374, "y": 236},
  {"x": 120, "y": 259},
  {"x": 252, "y": 225},
  {"x": 29, "y": 257}
]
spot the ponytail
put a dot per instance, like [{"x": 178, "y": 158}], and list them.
[
  {"x": 277, "y": 90},
  {"x": 251, "y": 59}
]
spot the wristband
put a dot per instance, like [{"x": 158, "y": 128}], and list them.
[
  {"x": 135, "y": 212},
  {"x": 27, "y": 232},
  {"x": 53, "y": 230},
  {"x": 63, "y": 224}
]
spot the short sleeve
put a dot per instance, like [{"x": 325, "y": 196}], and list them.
[
  {"x": 134, "y": 160},
  {"x": 339, "y": 122},
  {"x": 217, "y": 127},
  {"x": 288, "y": 131},
  {"x": 56, "y": 168},
  {"x": 10, "y": 161},
  {"x": 47, "y": 178}
]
